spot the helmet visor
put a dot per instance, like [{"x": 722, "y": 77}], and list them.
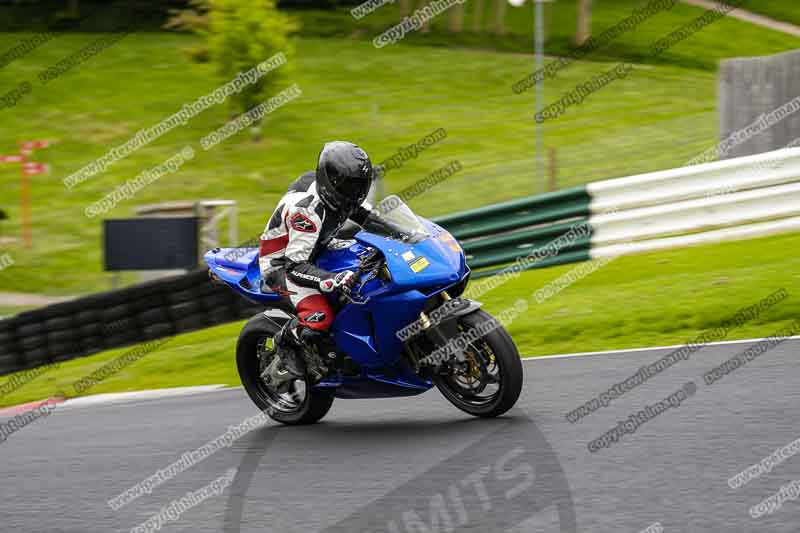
[{"x": 354, "y": 189}]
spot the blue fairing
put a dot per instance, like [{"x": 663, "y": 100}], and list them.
[{"x": 367, "y": 332}]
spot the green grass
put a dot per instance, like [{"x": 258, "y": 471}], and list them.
[
  {"x": 785, "y": 10},
  {"x": 202, "y": 357},
  {"x": 638, "y": 301},
  {"x": 703, "y": 51},
  {"x": 659, "y": 117}
]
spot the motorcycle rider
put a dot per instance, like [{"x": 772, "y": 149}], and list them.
[{"x": 307, "y": 218}]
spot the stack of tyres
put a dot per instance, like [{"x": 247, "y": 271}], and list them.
[
  {"x": 10, "y": 354},
  {"x": 90, "y": 330},
  {"x": 115, "y": 319},
  {"x": 184, "y": 299},
  {"x": 32, "y": 338},
  {"x": 152, "y": 317}
]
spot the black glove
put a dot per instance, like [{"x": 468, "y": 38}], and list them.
[{"x": 343, "y": 281}]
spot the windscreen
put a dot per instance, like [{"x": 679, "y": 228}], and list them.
[{"x": 393, "y": 218}]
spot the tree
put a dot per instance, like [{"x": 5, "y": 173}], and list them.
[
  {"x": 426, "y": 26},
  {"x": 193, "y": 19},
  {"x": 73, "y": 10},
  {"x": 240, "y": 34},
  {"x": 477, "y": 17},
  {"x": 500, "y": 17},
  {"x": 457, "y": 18},
  {"x": 584, "y": 22}
]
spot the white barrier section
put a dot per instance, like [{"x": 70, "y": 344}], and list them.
[
  {"x": 710, "y": 179},
  {"x": 733, "y": 199}
]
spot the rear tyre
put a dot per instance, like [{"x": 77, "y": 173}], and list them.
[
  {"x": 490, "y": 382},
  {"x": 299, "y": 403}
]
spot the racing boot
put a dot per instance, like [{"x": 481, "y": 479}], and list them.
[{"x": 288, "y": 363}]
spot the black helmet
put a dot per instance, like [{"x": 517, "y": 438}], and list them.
[{"x": 344, "y": 175}]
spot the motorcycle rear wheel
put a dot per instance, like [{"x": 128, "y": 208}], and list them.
[
  {"x": 300, "y": 403},
  {"x": 491, "y": 381}
]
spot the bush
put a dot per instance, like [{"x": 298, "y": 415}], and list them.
[
  {"x": 239, "y": 34},
  {"x": 243, "y": 33}
]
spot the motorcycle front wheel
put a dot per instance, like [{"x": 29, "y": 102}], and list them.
[
  {"x": 299, "y": 403},
  {"x": 489, "y": 382}
]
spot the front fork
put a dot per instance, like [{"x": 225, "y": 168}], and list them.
[{"x": 436, "y": 336}]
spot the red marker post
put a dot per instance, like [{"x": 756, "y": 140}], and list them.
[{"x": 27, "y": 168}]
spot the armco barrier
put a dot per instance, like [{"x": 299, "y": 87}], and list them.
[
  {"x": 534, "y": 210},
  {"x": 501, "y": 233},
  {"x": 739, "y": 198},
  {"x": 733, "y": 199}
]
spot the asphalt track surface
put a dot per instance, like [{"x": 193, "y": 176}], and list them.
[{"x": 418, "y": 464}]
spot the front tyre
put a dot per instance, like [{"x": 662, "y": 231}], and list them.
[
  {"x": 299, "y": 403},
  {"x": 490, "y": 381}
]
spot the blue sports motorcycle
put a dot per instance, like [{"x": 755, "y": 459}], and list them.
[{"x": 403, "y": 329}]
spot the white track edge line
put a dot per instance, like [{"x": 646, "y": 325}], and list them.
[
  {"x": 114, "y": 398},
  {"x": 155, "y": 394},
  {"x": 634, "y": 350}
]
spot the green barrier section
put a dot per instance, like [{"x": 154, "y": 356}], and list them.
[
  {"x": 501, "y": 233},
  {"x": 512, "y": 221},
  {"x": 511, "y": 253},
  {"x": 530, "y": 237},
  {"x": 542, "y": 201},
  {"x": 561, "y": 259}
]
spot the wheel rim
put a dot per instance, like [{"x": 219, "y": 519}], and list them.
[
  {"x": 289, "y": 401},
  {"x": 478, "y": 382}
]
